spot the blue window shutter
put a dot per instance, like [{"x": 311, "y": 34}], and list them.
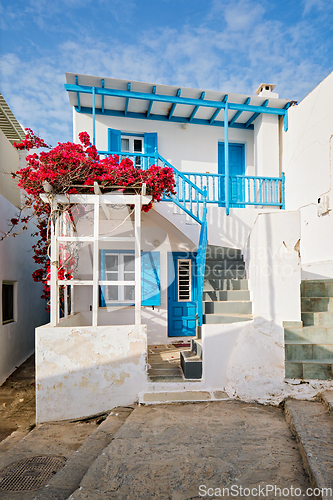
[
  {"x": 102, "y": 288},
  {"x": 114, "y": 140},
  {"x": 150, "y": 279},
  {"x": 150, "y": 143}
]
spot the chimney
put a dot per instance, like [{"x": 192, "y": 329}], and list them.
[{"x": 266, "y": 90}]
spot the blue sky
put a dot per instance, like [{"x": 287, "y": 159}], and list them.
[{"x": 231, "y": 46}]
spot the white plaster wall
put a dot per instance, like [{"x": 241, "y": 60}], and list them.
[
  {"x": 266, "y": 139},
  {"x": 307, "y": 162},
  {"x": 82, "y": 371},
  {"x": 9, "y": 162},
  {"x": 16, "y": 264},
  {"x": 194, "y": 149}
]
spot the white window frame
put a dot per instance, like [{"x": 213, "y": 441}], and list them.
[
  {"x": 189, "y": 298},
  {"x": 137, "y": 161},
  {"x": 121, "y": 277}
]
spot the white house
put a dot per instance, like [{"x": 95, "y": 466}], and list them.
[
  {"x": 21, "y": 307},
  {"x": 140, "y": 277}
]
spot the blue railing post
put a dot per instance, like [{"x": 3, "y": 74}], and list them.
[
  {"x": 94, "y": 114},
  {"x": 226, "y": 159},
  {"x": 283, "y": 180},
  {"x": 201, "y": 258}
]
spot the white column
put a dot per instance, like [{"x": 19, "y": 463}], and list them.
[
  {"x": 95, "y": 303},
  {"x": 137, "y": 229},
  {"x": 54, "y": 292}
]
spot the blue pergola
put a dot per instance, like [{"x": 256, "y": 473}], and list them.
[{"x": 113, "y": 97}]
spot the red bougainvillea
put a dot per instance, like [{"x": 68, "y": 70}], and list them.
[{"x": 71, "y": 168}]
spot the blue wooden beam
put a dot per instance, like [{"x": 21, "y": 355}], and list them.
[
  {"x": 151, "y": 102},
  {"x": 187, "y": 101},
  {"x": 196, "y": 108},
  {"x": 103, "y": 96},
  {"x": 78, "y": 94},
  {"x": 254, "y": 116},
  {"x": 127, "y": 98},
  {"x": 173, "y": 107},
  {"x": 238, "y": 113},
  {"x": 285, "y": 116},
  {"x": 216, "y": 112},
  {"x": 163, "y": 118}
]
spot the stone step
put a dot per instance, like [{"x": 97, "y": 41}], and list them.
[
  {"x": 229, "y": 307},
  {"x": 181, "y": 396},
  {"x": 215, "y": 319},
  {"x": 214, "y": 252},
  {"x": 317, "y": 318},
  {"x": 225, "y": 284},
  {"x": 312, "y": 427},
  {"x": 313, "y": 334},
  {"x": 224, "y": 295},
  {"x": 219, "y": 273},
  {"x": 317, "y": 304},
  {"x": 196, "y": 346},
  {"x": 191, "y": 365},
  {"x": 307, "y": 352},
  {"x": 327, "y": 399},
  {"x": 317, "y": 288},
  {"x": 225, "y": 264},
  {"x": 310, "y": 369}
]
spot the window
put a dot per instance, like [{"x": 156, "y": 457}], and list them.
[
  {"x": 7, "y": 302},
  {"x": 132, "y": 144},
  {"x": 184, "y": 280},
  {"x": 120, "y": 266}
]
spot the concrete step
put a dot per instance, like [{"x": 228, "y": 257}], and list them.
[
  {"x": 224, "y": 295},
  {"x": 311, "y": 369},
  {"x": 219, "y": 273},
  {"x": 215, "y": 319},
  {"x": 181, "y": 396},
  {"x": 317, "y": 318},
  {"x": 312, "y": 427},
  {"x": 191, "y": 365},
  {"x": 317, "y": 288},
  {"x": 313, "y": 334},
  {"x": 229, "y": 307},
  {"x": 327, "y": 399},
  {"x": 217, "y": 253},
  {"x": 317, "y": 304},
  {"x": 196, "y": 346},
  {"x": 226, "y": 264},
  {"x": 225, "y": 284},
  {"x": 309, "y": 351}
]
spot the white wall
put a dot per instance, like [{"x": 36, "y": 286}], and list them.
[
  {"x": 266, "y": 139},
  {"x": 307, "y": 162},
  {"x": 82, "y": 371},
  {"x": 16, "y": 264},
  {"x": 9, "y": 162},
  {"x": 194, "y": 149}
]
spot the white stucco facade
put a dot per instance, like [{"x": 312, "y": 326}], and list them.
[{"x": 307, "y": 162}]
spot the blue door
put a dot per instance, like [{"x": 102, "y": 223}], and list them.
[
  {"x": 236, "y": 167},
  {"x": 182, "y": 296}
]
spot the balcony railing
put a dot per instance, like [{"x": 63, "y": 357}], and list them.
[{"x": 194, "y": 188}]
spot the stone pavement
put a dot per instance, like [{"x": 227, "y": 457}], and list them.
[{"x": 179, "y": 451}]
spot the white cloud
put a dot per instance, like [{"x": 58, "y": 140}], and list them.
[{"x": 231, "y": 55}]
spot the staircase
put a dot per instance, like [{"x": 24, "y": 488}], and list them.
[
  {"x": 226, "y": 296},
  {"x": 309, "y": 343},
  {"x": 226, "y": 299}
]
